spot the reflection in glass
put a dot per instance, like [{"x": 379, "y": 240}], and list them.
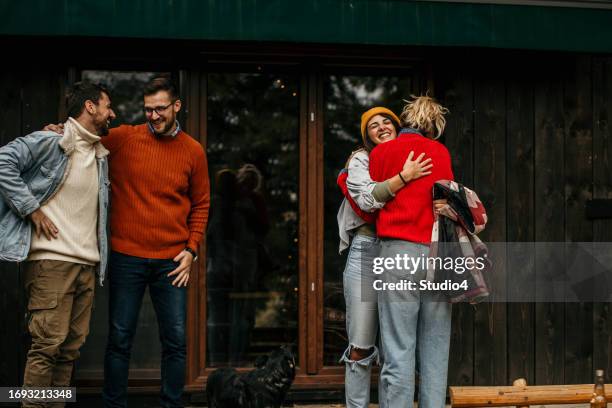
[
  {"x": 252, "y": 249},
  {"x": 127, "y": 101},
  {"x": 345, "y": 99}
]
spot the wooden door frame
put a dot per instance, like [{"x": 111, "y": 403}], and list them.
[{"x": 311, "y": 373}]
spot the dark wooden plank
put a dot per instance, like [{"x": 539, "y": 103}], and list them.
[
  {"x": 303, "y": 323},
  {"x": 29, "y": 98},
  {"x": 490, "y": 342},
  {"x": 12, "y": 325},
  {"x": 602, "y": 184},
  {"x": 549, "y": 217},
  {"x": 318, "y": 192},
  {"x": 202, "y": 136},
  {"x": 196, "y": 323},
  {"x": 313, "y": 195},
  {"x": 40, "y": 104},
  {"x": 41, "y": 99},
  {"x": 578, "y": 109},
  {"x": 455, "y": 91},
  {"x": 520, "y": 165}
]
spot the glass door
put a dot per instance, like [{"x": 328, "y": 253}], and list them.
[{"x": 252, "y": 240}]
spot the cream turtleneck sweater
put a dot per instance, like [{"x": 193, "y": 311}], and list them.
[{"x": 74, "y": 208}]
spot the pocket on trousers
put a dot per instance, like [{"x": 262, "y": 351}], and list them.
[
  {"x": 42, "y": 300},
  {"x": 362, "y": 244},
  {"x": 42, "y": 307}
]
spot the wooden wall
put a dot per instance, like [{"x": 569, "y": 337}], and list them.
[
  {"x": 28, "y": 99},
  {"x": 530, "y": 133}
]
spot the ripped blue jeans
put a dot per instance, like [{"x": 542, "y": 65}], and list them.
[
  {"x": 361, "y": 320},
  {"x": 413, "y": 323}
]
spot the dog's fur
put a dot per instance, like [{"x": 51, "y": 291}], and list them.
[{"x": 264, "y": 387}]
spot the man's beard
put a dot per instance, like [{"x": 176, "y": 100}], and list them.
[
  {"x": 167, "y": 127},
  {"x": 102, "y": 129}
]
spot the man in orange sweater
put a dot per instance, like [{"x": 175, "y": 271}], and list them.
[{"x": 160, "y": 199}]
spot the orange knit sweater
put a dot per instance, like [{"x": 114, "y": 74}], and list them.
[{"x": 160, "y": 192}]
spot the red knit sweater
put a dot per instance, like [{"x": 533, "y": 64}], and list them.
[
  {"x": 160, "y": 192},
  {"x": 370, "y": 218},
  {"x": 409, "y": 216}
]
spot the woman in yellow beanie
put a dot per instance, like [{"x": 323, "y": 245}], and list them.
[{"x": 363, "y": 197}]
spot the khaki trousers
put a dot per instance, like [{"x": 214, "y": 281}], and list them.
[{"x": 60, "y": 297}]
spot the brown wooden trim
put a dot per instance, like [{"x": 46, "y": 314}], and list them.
[
  {"x": 320, "y": 204},
  {"x": 190, "y": 96},
  {"x": 328, "y": 377},
  {"x": 193, "y": 85},
  {"x": 96, "y": 389},
  {"x": 203, "y": 298},
  {"x": 332, "y": 379},
  {"x": 312, "y": 220},
  {"x": 136, "y": 376},
  {"x": 149, "y": 386},
  {"x": 303, "y": 226}
]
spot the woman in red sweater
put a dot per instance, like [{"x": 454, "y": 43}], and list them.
[{"x": 411, "y": 318}]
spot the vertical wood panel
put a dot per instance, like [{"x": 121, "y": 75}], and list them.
[
  {"x": 520, "y": 165},
  {"x": 314, "y": 196},
  {"x": 202, "y": 136},
  {"x": 202, "y": 288},
  {"x": 41, "y": 94},
  {"x": 578, "y": 188},
  {"x": 196, "y": 294},
  {"x": 11, "y": 305},
  {"x": 602, "y": 184},
  {"x": 549, "y": 218},
  {"x": 318, "y": 191},
  {"x": 456, "y": 93},
  {"x": 490, "y": 342},
  {"x": 303, "y": 323}
]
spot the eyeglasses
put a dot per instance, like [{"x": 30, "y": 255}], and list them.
[{"x": 158, "y": 109}]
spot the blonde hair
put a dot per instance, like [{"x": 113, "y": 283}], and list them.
[{"x": 425, "y": 114}]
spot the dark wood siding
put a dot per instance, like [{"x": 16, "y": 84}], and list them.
[
  {"x": 540, "y": 148},
  {"x": 29, "y": 98}
]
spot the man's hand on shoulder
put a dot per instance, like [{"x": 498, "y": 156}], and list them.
[
  {"x": 57, "y": 128},
  {"x": 185, "y": 259},
  {"x": 43, "y": 225}
]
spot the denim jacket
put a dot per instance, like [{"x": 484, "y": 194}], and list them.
[{"x": 32, "y": 170}]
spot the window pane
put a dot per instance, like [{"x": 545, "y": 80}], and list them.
[
  {"x": 126, "y": 91},
  {"x": 345, "y": 99},
  {"x": 252, "y": 248}
]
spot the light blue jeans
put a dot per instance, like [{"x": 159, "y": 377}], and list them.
[
  {"x": 412, "y": 322},
  {"x": 361, "y": 319}
]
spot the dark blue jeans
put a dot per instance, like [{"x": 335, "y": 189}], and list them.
[{"x": 128, "y": 278}]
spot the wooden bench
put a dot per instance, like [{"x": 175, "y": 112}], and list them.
[{"x": 521, "y": 395}]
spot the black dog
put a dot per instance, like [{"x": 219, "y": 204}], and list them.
[{"x": 264, "y": 387}]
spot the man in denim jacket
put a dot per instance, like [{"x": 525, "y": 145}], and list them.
[{"x": 53, "y": 215}]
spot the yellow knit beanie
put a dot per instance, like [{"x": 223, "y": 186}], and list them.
[{"x": 370, "y": 113}]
